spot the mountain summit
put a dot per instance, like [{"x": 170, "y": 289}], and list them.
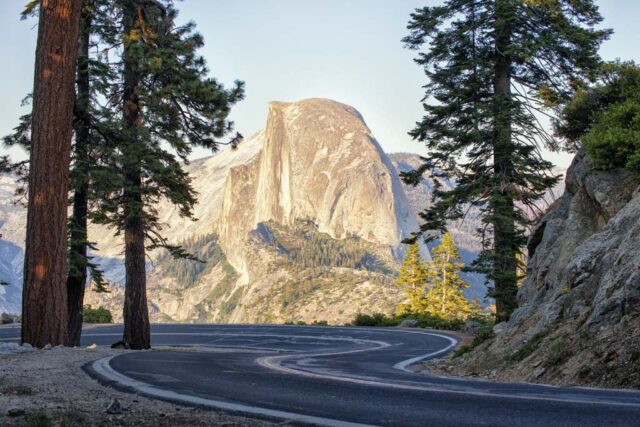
[
  {"x": 319, "y": 163},
  {"x": 303, "y": 221}
]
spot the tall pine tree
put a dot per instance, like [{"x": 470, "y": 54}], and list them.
[
  {"x": 413, "y": 279},
  {"x": 494, "y": 67},
  {"x": 44, "y": 297},
  {"x": 97, "y": 32},
  {"x": 445, "y": 286},
  {"x": 92, "y": 77},
  {"x": 167, "y": 105}
]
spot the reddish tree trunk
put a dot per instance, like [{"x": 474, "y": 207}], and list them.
[{"x": 44, "y": 295}]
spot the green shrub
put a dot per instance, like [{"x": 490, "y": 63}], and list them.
[
  {"x": 96, "y": 315},
  {"x": 528, "y": 348},
  {"x": 377, "y": 319},
  {"x": 481, "y": 336},
  {"x": 560, "y": 352},
  {"x": 36, "y": 420},
  {"x": 606, "y": 118},
  {"x": 425, "y": 320}
]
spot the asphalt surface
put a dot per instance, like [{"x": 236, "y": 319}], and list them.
[{"x": 337, "y": 376}]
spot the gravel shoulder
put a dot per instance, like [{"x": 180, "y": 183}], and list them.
[{"x": 49, "y": 388}]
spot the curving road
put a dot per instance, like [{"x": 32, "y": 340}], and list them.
[{"x": 339, "y": 376}]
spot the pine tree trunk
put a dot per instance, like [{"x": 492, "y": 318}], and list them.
[
  {"x": 502, "y": 202},
  {"x": 136, "y": 314},
  {"x": 78, "y": 224},
  {"x": 44, "y": 296}
]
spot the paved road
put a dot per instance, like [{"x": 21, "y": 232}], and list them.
[{"x": 340, "y": 376}]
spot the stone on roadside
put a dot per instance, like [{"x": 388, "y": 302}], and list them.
[
  {"x": 409, "y": 323},
  {"x": 6, "y": 319},
  {"x": 92, "y": 346},
  {"x": 15, "y": 412},
  {"x": 114, "y": 407},
  {"x": 120, "y": 345},
  {"x": 471, "y": 325},
  {"x": 9, "y": 347},
  {"x": 499, "y": 327}
]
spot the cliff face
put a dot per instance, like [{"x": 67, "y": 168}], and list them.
[
  {"x": 13, "y": 222},
  {"x": 579, "y": 315},
  {"x": 584, "y": 258},
  {"x": 320, "y": 163},
  {"x": 304, "y": 221},
  {"x": 309, "y": 214}
]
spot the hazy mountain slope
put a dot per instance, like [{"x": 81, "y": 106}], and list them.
[
  {"x": 13, "y": 221},
  {"x": 319, "y": 163},
  {"x": 315, "y": 174},
  {"x": 320, "y": 177}
]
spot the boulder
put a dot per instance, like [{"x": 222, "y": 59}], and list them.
[
  {"x": 472, "y": 325},
  {"x": 120, "y": 345},
  {"x": 6, "y": 319},
  {"x": 408, "y": 323},
  {"x": 114, "y": 407},
  {"x": 498, "y": 328}
]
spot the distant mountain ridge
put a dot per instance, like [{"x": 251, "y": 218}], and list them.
[{"x": 312, "y": 187}]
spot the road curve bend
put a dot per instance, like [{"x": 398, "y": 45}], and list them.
[{"x": 340, "y": 377}]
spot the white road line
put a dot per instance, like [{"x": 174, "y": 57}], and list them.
[
  {"x": 103, "y": 368},
  {"x": 403, "y": 365},
  {"x": 273, "y": 362}
]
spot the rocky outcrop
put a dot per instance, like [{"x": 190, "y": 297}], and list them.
[
  {"x": 319, "y": 162},
  {"x": 13, "y": 223},
  {"x": 584, "y": 260},
  {"x": 315, "y": 162},
  {"x": 579, "y": 315}
]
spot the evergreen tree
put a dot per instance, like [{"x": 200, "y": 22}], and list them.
[
  {"x": 44, "y": 296},
  {"x": 493, "y": 67},
  {"x": 605, "y": 118},
  {"x": 444, "y": 297},
  {"x": 167, "y": 106},
  {"x": 413, "y": 279},
  {"x": 92, "y": 81},
  {"x": 96, "y": 29}
]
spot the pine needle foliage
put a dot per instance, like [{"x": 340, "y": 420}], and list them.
[
  {"x": 605, "y": 118},
  {"x": 177, "y": 107},
  {"x": 445, "y": 296},
  {"x": 412, "y": 278},
  {"x": 494, "y": 67}
]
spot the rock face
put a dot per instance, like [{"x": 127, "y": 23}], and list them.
[
  {"x": 579, "y": 314},
  {"x": 316, "y": 174},
  {"x": 320, "y": 163},
  {"x": 584, "y": 258},
  {"x": 13, "y": 222},
  {"x": 304, "y": 221}
]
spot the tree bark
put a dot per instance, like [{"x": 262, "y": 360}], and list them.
[
  {"x": 77, "y": 277},
  {"x": 502, "y": 200},
  {"x": 136, "y": 314},
  {"x": 44, "y": 296}
]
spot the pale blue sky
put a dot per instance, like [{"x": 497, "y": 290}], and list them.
[{"x": 347, "y": 50}]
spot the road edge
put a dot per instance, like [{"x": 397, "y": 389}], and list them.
[{"x": 101, "y": 371}]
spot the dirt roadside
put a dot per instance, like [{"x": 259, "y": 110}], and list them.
[{"x": 49, "y": 388}]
